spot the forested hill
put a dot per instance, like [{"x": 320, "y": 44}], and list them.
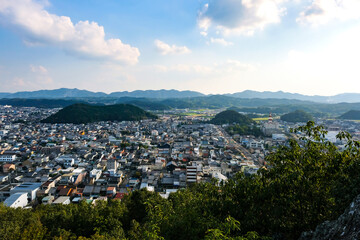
[
  {"x": 231, "y": 116},
  {"x": 297, "y": 116},
  {"x": 84, "y": 113},
  {"x": 351, "y": 115}
]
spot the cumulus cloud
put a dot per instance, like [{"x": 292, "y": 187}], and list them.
[
  {"x": 221, "y": 41},
  {"x": 240, "y": 16},
  {"x": 323, "y": 11},
  {"x": 84, "y": 38},
  {"x": 166, "y": 49}
]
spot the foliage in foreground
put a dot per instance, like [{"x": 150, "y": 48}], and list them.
[{"x": 305, "y": 184}]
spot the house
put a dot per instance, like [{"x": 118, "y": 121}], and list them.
[
  {"x": 47, "y": 200},
  {"x": 62, "y": 200},
  {"x": 8, "y": 167},
  {"x": 110, "y": 191}
]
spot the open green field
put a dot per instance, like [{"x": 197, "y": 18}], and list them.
[{"x": 264, "y": 118}]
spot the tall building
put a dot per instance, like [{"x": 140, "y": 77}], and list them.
[
  {"x": 191, "y": 174},
  {"x": 270, "y": 127}
]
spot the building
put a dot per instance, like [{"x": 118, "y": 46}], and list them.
[
  {"x": 191, "y": 174},
  {"x": 8, "y": 167},
  {"x": 30, "y": 188},
  {"x": 7, "y": 157},
  {"x": 66, "y": 160},
  {"x": 17, "y": 200},
  {"x": 62, "y": 200},
  {"x": 112, "y": 164},
  {"x": 270, "y": 127}
]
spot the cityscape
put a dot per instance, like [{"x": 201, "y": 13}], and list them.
[
  {"x": 179, "y": 120},
  {"x": 65, "y": 163}
]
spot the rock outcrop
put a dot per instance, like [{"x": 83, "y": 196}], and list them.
[{"x": 346, "y": 227}]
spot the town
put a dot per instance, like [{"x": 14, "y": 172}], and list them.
[{"x": 45, "y": 163}]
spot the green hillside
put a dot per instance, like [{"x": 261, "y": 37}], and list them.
[
  {"x": 297, "y": 116},
  {"x": 230, "y": 116},
  {"x": 351, "y": 115},
  {"x": 84, "y": 113}
]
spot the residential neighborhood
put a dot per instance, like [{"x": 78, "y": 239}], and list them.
[{"x": 67, "y": 163}]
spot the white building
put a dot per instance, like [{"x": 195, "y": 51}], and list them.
[
  {"x": 29, "y": 188},
  {"x": 270, "y": 127},
  {"x": 95, "y": 174},
  {"x": 7, "y": 157},
  {"x": 17, "y": 200},
  {"x": 66, "y": 160}
]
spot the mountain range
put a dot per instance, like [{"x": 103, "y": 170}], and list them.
[{"x": 164, "y": 94}]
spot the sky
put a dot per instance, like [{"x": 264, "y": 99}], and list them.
[{"x": 214, "y": 46}]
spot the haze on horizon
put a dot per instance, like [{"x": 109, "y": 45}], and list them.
[{"x": 214, "y": 46}]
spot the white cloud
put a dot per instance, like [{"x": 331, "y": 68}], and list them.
[
  {"x": 39, "y": 27},
  {"x": 221, "y": 41},
  {"x": 38, "y": 69},
  {"x": 234, "y": 65},
  {"x": 166, "y": 49},
  {"x": 40, "y": 75},
  {"x": 240, "y": 17},
  {"x": 323, "y": 11},
  {"x": 203, "y": 33}
]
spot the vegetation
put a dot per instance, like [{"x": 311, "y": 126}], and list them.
[
  {"x": 260, "y": 106},
  {"x": 297, "y": 116},
  {"x": 244, "y": 130},
  {"x": 230, "y": 116},
  {"x": 240, "y": 124},
  {"x": 351, "y": 115},
  {"x": 83, "y": 113},
  {"x": 306, "y": 183}
]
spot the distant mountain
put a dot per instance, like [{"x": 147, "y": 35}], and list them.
[
  {"x": 297, "y": 116},
  {"x": 351, "y": 115},
  {"x": 76, "y": 93},
  {"x": 230, "y": 116},
  {"x": 157, "y": 94},
  {"x": 56, "y": 93},
  {"x": 345, "y": 97},
  {"x": 84, "y": 113},
  {"x": 175, "y": 94},
  {"x": 3, "y": 94},
  {"x": 165, "y": 94}
]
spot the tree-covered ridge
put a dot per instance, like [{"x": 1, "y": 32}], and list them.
[
  {"x": 304, "y": 184},
  {"x": 351, "y": 115},
  {"x": 84, "y": 113},
  {"x": 231, "y": 116},
  {"x": 297, "y": 116}
]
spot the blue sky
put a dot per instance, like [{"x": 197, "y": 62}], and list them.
[{"x": 214, "y": 46}]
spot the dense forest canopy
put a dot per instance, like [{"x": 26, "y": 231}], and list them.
[
  {"x": 84, "y": 113},
  {"x": 297, "y": 116},
  {"x": 304, "y": 184},
  {"x": 231, "y": 116},
  {"x": 351, "y": 115}
]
